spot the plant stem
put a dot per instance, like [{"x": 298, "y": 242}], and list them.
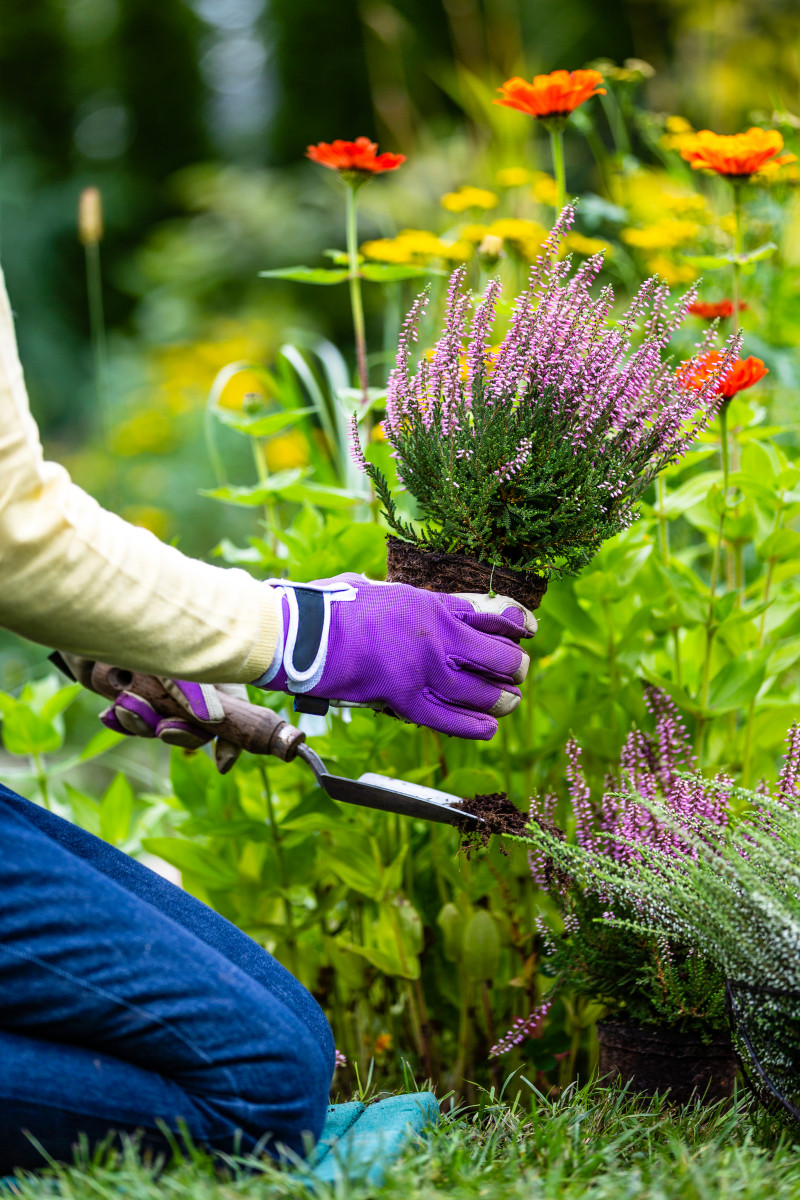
[
  {"x": 726, "y": 462},
  {"x": 41, "y": 778},
  {"x": 283, "y": 874},
  {"x": 663, "y": 526},
  {"x": 97, "y": 327},
  {"x": 559, "y": 170},
  {"x": 356, "y": 302},
  {"x": 751, "y": 711},
  {"x": 737, "y": 247},
  {"x": 710, "y": 632}
]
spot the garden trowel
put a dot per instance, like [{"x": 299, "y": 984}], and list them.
[{"x": 262, "y": 731}]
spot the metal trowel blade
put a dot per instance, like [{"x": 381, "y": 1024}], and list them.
[{"x": 390, "y": 795}]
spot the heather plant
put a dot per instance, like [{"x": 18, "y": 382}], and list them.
[
  {"x": 530, "y": 456},
  {"x": 604, "y": 952},
  {"x": 734, "y": 895}
]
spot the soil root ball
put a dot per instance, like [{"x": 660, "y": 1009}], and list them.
[
  {"x": 499, "y": 816},
  {"x": 439, "y": 572}
]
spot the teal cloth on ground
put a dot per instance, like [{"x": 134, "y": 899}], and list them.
[{"x": 358, "y": 1142}]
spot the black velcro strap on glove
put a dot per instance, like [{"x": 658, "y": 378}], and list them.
[{"x": 311, "y": 614}]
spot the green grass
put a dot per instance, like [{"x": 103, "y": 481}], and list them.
[{"x": 595, "y": 1142}]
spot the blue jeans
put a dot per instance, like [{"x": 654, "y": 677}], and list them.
[{"x": 125, "y": 1002}]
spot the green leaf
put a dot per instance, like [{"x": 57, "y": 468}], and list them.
[
  {"x": 192, "y": 776},
  {"x": 472, "y": 781},
  {"x": 103, "y": 740},
  {"x": 764, "y": 251},
  {"x": 481, "y": 949},
  {"x": 259, "y": 493},
  {"x": 707, "y": 262},
  {"x": 27, "y": 732},
  {"x": 116, "y": 810},
  {"x": 322, "y": 275},
  {"x": 355, "y": 869},
  {"x": 735, "y": 685},
  {"x": 60, "y": 700},
  {"x": 393, "y": 273},
  {"x": 85, "y": 810},
  {"x": 260, "y": 427},
  {"x": 451, "y": 923},
  {"x": 205, "y": 865},
  {"x": 322, "y": 496}
]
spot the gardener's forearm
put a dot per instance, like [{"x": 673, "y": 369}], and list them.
[{"x": 81, "y": 579}]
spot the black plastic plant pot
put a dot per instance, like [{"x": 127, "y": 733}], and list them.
[
  {"x": 765, "y": 1028},
  {"x": 660, "y": 1059},
  {"x": 439, "y": 572}
]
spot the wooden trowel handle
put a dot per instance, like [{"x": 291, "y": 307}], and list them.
[{"x": 259, "y": 730}]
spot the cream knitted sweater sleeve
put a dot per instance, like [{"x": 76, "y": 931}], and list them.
[{"x": 78, "y": 578}]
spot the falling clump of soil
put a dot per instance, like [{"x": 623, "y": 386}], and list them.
[{"x": 499, "y": 815}]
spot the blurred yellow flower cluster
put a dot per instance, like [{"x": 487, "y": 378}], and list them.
[
  {"x": 542, "y": 185},
  {"x": 662, "y": 235},
  {"x": 416, "y": 247},
  {"x": 666, "y": 217},
  {"x": 678, "y": 133},
  {"x": 468, "y": 197}
]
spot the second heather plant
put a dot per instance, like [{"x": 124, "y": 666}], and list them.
[{"x": 530, "y": 454}]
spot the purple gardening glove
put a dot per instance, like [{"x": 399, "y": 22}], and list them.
[
  {"x": 132, "y": 715},
  {"x": 450, "y": 662}
]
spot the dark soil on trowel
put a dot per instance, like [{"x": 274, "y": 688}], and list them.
[{"x": 499, "y": 816}]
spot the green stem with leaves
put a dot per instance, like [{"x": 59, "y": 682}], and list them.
[
  {"x": 41, "y": 778},
  {"x": 724, "y": 449},
  {"x": 738, "y": 242},
  {"x": 711, "y": 630},
  {"x": 559, "y": 169},
  {"x": 356, "y": 301},
  {"x": 283, "y": 874}
]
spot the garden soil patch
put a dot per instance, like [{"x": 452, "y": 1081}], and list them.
[{"x": 439, "y": 572}]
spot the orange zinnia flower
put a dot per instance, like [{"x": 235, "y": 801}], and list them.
[
  {"x": 554, "y": 95},
  {"x": 709, "y": 311},
  {"x": 358, "y": 156},
  {"x": 741, "y": 374},
  {"x": 739, "y": 155}
]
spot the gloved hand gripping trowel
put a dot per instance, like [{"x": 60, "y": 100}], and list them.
[{"x": 262, "y": 731}]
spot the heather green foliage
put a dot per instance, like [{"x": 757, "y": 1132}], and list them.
[{"x": 634, "y": 972}]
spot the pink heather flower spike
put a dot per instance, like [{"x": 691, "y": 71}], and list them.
[
  {"x": 355, "y": 444},
  {"x": 522, "y": 1030}
]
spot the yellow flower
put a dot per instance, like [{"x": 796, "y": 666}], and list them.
[
  {"x": 287, "y": 451},
  {"x": 672, "y": 273},
  {"x": 587, "y": 245},
  {"x": 415, "y": 246},
  {"x": 240, "y": 385},
  {"x": 474, "y": 233},
  {"x": 514, "y": 177},
  {"x": 148, "y": 517},
  {"x": 469, "y": 197},
  {"x": 677, "y": 133},
  {"x": 525, "y": 237},
  {"x": 148, "y": 431},
  {"x": 544, "y": 188},
  {"x": 491, "y": 246},
  {"x": 388, "y": 250},
  {"x": 663, "y": 235}
]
